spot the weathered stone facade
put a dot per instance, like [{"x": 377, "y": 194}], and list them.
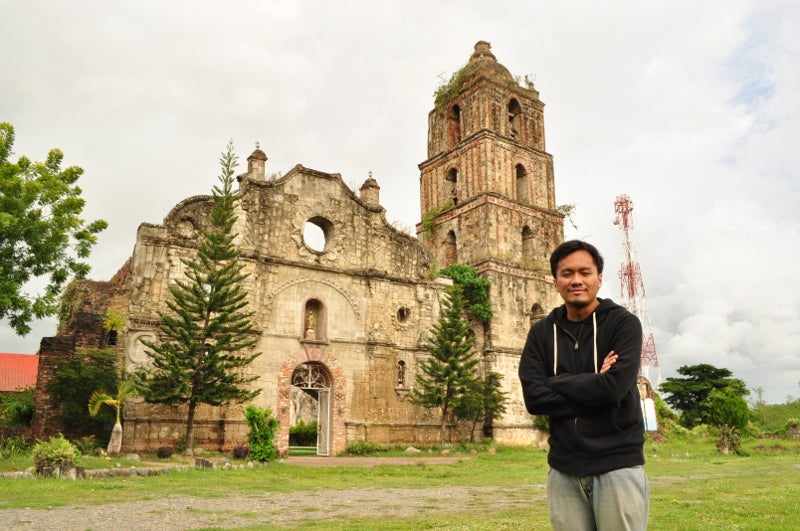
[{"x": 343, "y": 320}]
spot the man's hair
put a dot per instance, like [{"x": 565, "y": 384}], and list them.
[{"x": 570, "y": 247}]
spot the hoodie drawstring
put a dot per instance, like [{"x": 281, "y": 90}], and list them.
[{"x": 594, "y": 344}]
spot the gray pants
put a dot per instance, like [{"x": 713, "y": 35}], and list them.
[{"x": 615, "y": 501}]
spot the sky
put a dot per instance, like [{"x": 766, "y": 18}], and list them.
[{"x": 690, "y": 108}]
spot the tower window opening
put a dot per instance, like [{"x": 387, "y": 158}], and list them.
[
  {"x": 523, "y": 186},
  {"x": 450, "y": 249},
  {"x": 454, "y": 126},
  {"x": 452, "y": 181},
  {"x": 514, "y": 118},
  {"x": 527, "y": 244}
]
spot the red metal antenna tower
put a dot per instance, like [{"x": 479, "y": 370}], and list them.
[{"x": 632, "y": 286}]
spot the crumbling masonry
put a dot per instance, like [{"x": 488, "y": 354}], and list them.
[{"x": 341, "y": 322}]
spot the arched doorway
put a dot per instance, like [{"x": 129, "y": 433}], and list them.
[{"x": 311, "y": 401}]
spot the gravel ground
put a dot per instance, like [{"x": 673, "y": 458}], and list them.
[{"x": 276, "y": 510}]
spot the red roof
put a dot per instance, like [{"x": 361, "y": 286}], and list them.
[{"x": 18, "y": 371}]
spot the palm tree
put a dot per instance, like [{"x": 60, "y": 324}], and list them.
[{"x": 99, "y": 398}]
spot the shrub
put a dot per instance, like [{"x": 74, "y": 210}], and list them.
[
  {"x": 241, "y": 451},
  {"x": 16, "y": 409},
  {"x": 180, "y": 444},
  {"x": 542, "y": 422},
  {"x": 86, "y": 444},
  {"x": 363, "y": 448},
  {"x": 10, "y": 446},
  {"x": 302, "y": 434},
  {"x": 164, "y": 451},
  {"x": 262, "y": 433},
  {"x": 55, "y": 452}
]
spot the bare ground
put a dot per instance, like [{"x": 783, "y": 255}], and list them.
[{"x": 277, "y": 511}]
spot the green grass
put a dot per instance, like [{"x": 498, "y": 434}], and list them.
[{"x": 692, "y": 487}]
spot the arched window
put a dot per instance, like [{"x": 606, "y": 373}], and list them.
[
  {"x": 314, "y": 325},
  {"x": 454, "y": 126},
  {"x": 514, "y": 119},
  {"x": 523, "y": 187},
  {"x": 450, "y": 249},
  {"x": 452, "y": 182},
  {"x": 527, "y": 244},
  {"x": 401, "y": 373}
]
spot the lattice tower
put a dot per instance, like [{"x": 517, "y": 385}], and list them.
[{"x": 632, "y": 286}]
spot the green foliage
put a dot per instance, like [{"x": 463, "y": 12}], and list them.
[
  {"x": 74, "y": 380},
  {"x": 86, "y": 445},
  {"x": 429, "y": 217},
  {"x": 262, "y": 433},
  {"x": 688, "y": 394},
  {"x": 542, "y": 422},
  {"x": 113, "y": 320},
  {"x": 100, "y": 397},
  {"x": 483, "y": 401},
  {"x": 54, "y": 452},
  {"x": 727, "y": 408},
  {"x": 13, "y": 446},
  {"x": 207, "y": 329},
  {"x": 126, "y": 389},
  {"x": 16, "y": 409},
  {"x": 364, "y": 448},
  {"x": 474, "y": 288},
  {"x": 302, "y": 434},
  {"x": 449, "y": 88},
  {"x": 449, "y": 373},
  {"x": 727, "y": 411},
  {"x": 180, "y": 444},
  {"x": 772, "y": 418},
  {"x": 43, "y": 232},
  {"x": 568, "y": 210}
]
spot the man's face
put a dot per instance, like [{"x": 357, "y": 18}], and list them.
[{"x": 577, "y": 279}]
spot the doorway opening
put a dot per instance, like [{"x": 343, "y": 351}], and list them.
[{"x": 310, "y": 419}]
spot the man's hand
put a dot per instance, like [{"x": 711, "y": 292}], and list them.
[{"x": 610, "y": 360}]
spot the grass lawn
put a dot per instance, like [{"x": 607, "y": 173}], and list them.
[{"x": 692, "y": 487}]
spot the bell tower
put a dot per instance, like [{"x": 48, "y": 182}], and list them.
[
  {"x": 487, "y": 197},
  {"x": 486, "y": 189}
]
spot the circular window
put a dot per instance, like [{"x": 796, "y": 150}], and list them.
[
  {"x": 403, "y": 314},
  {"x": 316, "y": 233}
]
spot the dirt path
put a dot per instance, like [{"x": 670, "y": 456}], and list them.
[{"x": 287, "y": 510}]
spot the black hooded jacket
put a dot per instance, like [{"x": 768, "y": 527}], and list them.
[{"x": 596, "y": 423}]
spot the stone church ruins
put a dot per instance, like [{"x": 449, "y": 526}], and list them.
[{"x": 340, "y": 323}]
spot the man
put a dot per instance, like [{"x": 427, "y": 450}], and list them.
[{"x": 579, "y": 366}]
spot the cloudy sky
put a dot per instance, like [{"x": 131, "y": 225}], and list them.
[{"x": 688, "y": 107}]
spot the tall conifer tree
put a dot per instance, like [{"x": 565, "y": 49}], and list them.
[
  {"x": 449, "y": 373},
  {"x": 206, "y": 337}
]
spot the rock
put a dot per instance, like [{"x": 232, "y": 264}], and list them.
[
  {"x": 412, "y": 450},
  {"x": 133, "y": 457}
]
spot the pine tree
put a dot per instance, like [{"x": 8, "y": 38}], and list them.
[
  {"x": 483, "y": 401},
  {"x": 206, "y": 332},
  {"x": 449, "y": 373}
]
